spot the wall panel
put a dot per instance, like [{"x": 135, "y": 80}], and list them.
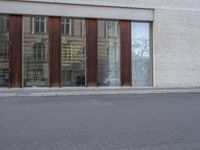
[
  {"x": 15, "y": 49},
  {"x": 55, "y": 51},
  {"x": 125, "y": 36},
  {"x": 91, "y": 52}
]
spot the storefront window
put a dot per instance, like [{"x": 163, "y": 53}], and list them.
[
  {"x": 141, "y": 55},
  {"x": 108, "y": 53},
  {"x": 73, "y": 52},
  {"x": 4, "y": 61},
  {"x": 35, "y": 52}
]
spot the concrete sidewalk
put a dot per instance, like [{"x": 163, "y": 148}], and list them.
[{"x": 21, "y": 92}]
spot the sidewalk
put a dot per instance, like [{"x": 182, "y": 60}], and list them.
[{"x": 21, "y": 92}]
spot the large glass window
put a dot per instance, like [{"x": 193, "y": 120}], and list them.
[
  {"x": 108, "y": 53},
  {"x": 141, "y": 54},
  {"x": 4, "y": 61},
  {"x": 35, "y": 52},
  {"x": 73, "y": 52}
]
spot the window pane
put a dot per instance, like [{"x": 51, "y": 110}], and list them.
[
  {"x": 63, "y": 28},
  {"x": 73, "y": 58},
  {"x": 101, "y": 29},
  {"x": 66, "y": 28},
  {"x": 35, "y": 55},
  {"x": 37, "y": 26},
  {"x": 40, "y": 24},
  {"x": 77, "y": 27},
  {"x": 108, "y": 55},
  {"x": 65, "y": 22},
  {"x": 141, "y": 55},
  {"x": 42, "y": 19},
  {"x": 4, "y": 62},
  {"x": 4, "y": 23}
]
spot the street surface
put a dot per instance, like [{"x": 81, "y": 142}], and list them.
[{"x": 103, "y": 122}]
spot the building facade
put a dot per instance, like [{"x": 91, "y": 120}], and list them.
[{"x": 65, "y": 43}]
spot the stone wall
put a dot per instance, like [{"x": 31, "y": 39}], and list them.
[
  {"x": 195, "y": 4},
  {"x": 176, "y": 48}
]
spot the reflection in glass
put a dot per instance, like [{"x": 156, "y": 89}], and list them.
[
  {"x": 35, "y": 52},
  {"x": 73, "y": 52},
  {"x": 66, "y": 26},
  {"x": 4, "y": 61},
  {"x": 40, "y": 24},
  {"x": 141, "y": 55},
  {"x": 108, "y": 53}
]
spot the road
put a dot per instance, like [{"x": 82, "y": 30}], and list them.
[{"x": 103, "y": 122}]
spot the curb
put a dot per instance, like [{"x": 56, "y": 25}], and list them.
[{"x": 41, "y": 92}]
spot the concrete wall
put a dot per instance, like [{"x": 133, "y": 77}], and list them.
[
  {"x": 79, "y": 10},
  {"x": 194, "y": 4},
  {"x": 176, "y": 48}
]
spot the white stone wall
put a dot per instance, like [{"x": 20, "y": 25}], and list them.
[
  {"x": 176, "y": 48},
  {"x": 79, "y": 11},
  {"x": 195, "y": 4}
]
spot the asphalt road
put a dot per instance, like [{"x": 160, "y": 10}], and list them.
[{"x": 106, "y": 122}]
